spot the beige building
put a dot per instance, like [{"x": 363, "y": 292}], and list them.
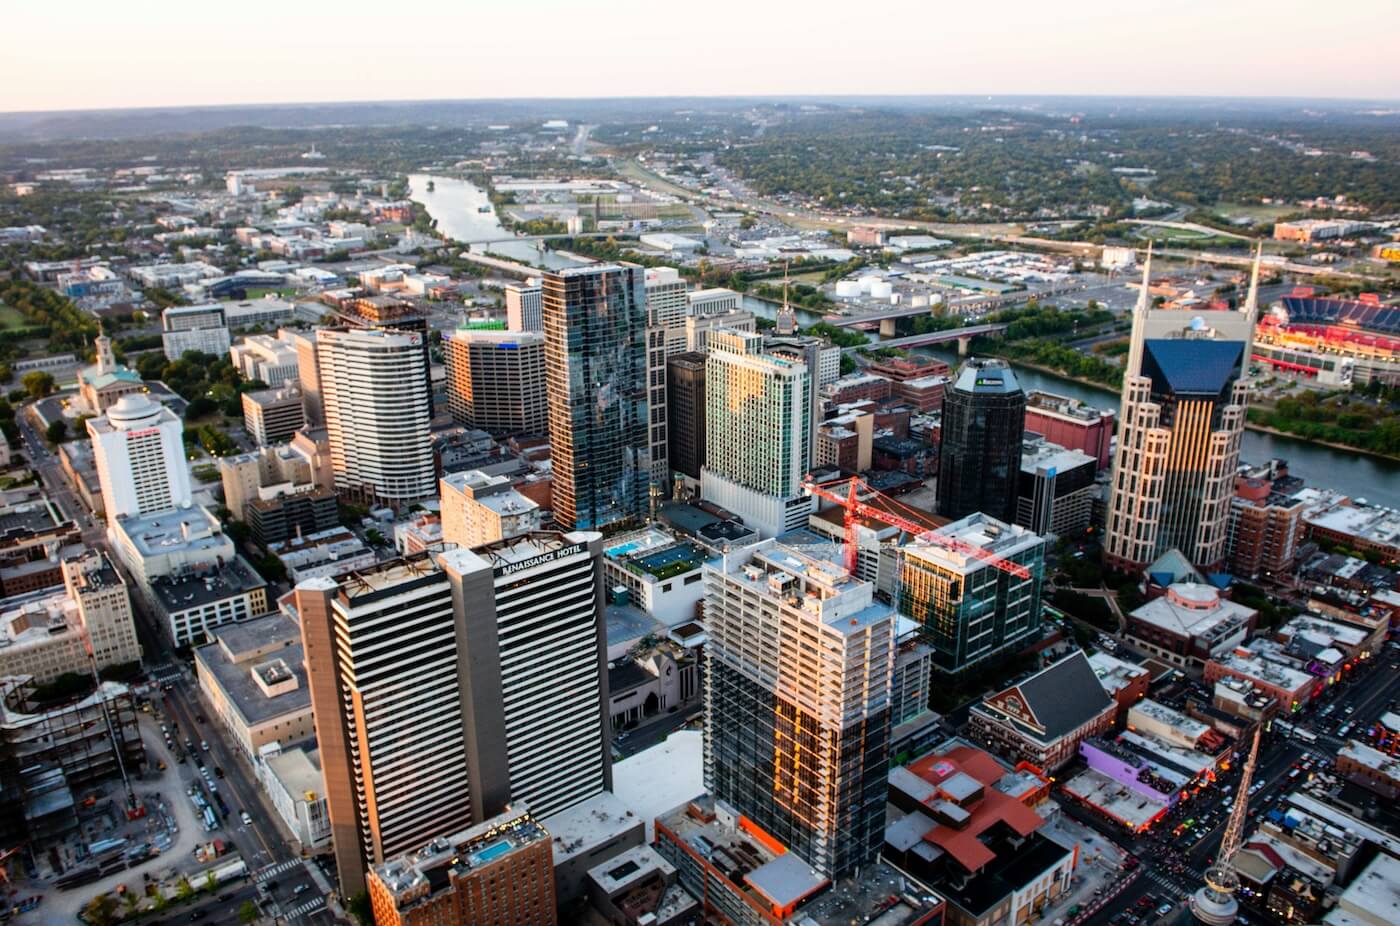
[
  {"x": 270, "y": 471},
  {"x": 479, "y": 509},
  {"x": 1180, "y": 427},
  {"x": 41, "y": 635},
  {"x": 104, "y": 606},
  {"x": 495, "y": 380},
  {"x": 253, "y": 677},
  {"x": 45, "y": 633}
]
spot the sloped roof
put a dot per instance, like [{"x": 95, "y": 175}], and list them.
[
  {"x": 1192, "y": 366},
  {"x": 1064, "y": 696}
]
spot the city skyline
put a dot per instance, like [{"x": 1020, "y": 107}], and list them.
[{"x": 1074, "y": 49}]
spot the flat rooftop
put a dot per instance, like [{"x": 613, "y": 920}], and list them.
[
  {"x": 189, "y": 529},
  {"x": 771, "y": 879},
  {"x": 1131, "y": 808},
  {"x": 236, "y": 678},
  {"x": 980, "y": 532},
  {"x": 818, "y": 576},
  {"x": 459, "y": 854},
  {"x": 180, "y": 593},
  {"x": 1192, "y": 610},
  {"x": 584, "y": 827}
]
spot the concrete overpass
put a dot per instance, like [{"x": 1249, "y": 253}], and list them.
[
  {"x": 963, "y": 336},
  {"x": 888, "y": 318}
]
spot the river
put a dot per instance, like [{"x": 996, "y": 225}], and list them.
[
  {"x": 1358, "y": 475},
  {"x": 456, "y": 205}
]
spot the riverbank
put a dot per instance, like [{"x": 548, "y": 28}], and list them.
[{"x": 1249, "y": 425}]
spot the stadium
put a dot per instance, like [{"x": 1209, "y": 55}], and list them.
[{"x": 1335, "y": 341}]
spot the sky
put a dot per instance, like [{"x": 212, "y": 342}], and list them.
[{"x": 94, "y": 54}]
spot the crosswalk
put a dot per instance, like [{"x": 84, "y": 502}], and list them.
[
  {"x": 306, "y": 909},
  {"x": 273, "y": 871},
  {"x": 1172, "y": 887}
]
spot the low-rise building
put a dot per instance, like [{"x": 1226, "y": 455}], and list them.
[
  {"x": 1125, "y": 682},
  {"x": 478, "y": 509},
  {"x": 659, "y": 572},
  {"x": 1370, "y": 768},
  {"x": 253, "y": 677},
  {"x": 965, "y": 823},
  {"x": 293, "y": 781},
  {"x": 417, "y": 534},
  {"x": 331, "y": 552},
  {"x": 1190, "y": 625},
  {"x": 743, "y": 876},
  {"x": 276, "y": 491},
  {"x": 1289, "y": 686},
  {"x": 587, "y": 835},
  {"x": 1367, "y": 529},
  {"x": 201, "y": 328},
  {"x": 1373, "y": 899},
  {"x": 1043, "y": 719},
  {"x": 640, "y": 888},
  {"x": 1070, "y": 423},
  {"x": 461, "y": 879},
  {"x": 34, "y": 538},
  {"x": 267, "y": 359}
]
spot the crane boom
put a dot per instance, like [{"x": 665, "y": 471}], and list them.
[{"x": 857, "y": 508}]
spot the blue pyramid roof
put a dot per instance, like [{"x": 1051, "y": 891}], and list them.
[{"x": 1190, "y": 366}]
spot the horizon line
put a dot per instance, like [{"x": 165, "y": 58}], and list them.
[{"x": 308, "y": 104}]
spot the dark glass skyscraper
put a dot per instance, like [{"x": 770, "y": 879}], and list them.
[
  {"x": 979, "y": 458},
  {"x": 596, "y": 373}
]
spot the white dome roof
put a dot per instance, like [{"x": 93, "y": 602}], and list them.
[{"x": 133, "y": 409}]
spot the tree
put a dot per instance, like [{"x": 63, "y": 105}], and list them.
[
  {"x": 37, "y": 383},
  {"x": 57, "y": 431},
  {"x": 101, "y": 910},
  {"x": 359, "y": 907},
  {"x": 248, "y": 912}
]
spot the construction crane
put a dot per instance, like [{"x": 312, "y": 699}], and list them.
[
  {"x": 1215, "y": 902},
  {"x": 858, "y": 507}
]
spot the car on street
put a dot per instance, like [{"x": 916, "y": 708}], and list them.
[{"x": 246, "y": 817}]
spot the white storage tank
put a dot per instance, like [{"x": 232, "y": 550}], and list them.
[
  {"x": 880, "y": 289},
  {"x": 867, "y": 283},
  {"x": 847, "y": 289}
]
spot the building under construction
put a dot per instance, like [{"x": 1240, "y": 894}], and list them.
[{"x": 48, "y": 756}]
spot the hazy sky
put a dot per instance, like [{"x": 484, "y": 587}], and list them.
[{"x": 67, "y": 54}]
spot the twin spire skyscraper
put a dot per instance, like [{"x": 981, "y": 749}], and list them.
[{"x": 1179, "y": 432}]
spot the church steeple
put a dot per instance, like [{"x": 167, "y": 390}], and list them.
[{"x": 106, "y": 360}]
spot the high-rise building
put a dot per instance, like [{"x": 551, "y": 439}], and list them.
[
  {"x": 445, "y": 687},
  {"x": 384, "y": 661},
  {"x": 495, "y": 380},
  {"x": 758, "y": 438},
  {"x": 139, "y": 450},
  {"x": 971, "y": 610},
  {"x": 524, "y": 307},
  {"x": 1179, "y": 432},
  {"x": 375, "y": 394},
  {"x": 596, "y": 372},
  {"x": 389, "y": 313},
  {"x": 667, "y": 309},
  {"x": 979, "y": 451},
  {"x": 499, "y": 872},
  {"x": 479, "y": 509},
  {"x": 685, "y": 412},
  {"x": 1266, "y": 521},
  {"x": 797, "y": 701},
  {"x": 309, "y": 377},
  {"x": 271, "y": 416},
  {"x": 1057, "y": 488}
]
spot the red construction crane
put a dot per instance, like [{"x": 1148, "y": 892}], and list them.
[{"x": 857, "y": 508}]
